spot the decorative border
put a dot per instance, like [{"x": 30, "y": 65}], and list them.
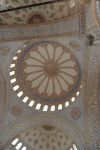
[
  {"x": 57, "y": 28},
  {"x": 91, "y": 107},
  {"x": 82, "y": 18}
]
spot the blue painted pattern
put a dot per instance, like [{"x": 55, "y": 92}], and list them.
[{"x": 32, "y": 93}]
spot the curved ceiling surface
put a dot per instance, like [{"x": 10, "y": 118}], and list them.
[
  {"x": 44, "y": 138},
  {"x": 45, "y": 73},
  {"x": 38, "y": 14}
]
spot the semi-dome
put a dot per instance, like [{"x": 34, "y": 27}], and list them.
[{"x": 44, "y": 138}]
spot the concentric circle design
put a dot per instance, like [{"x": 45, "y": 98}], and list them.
[
  {"x": 45, "y": 73},
  {"x": 51, "y": 68}
]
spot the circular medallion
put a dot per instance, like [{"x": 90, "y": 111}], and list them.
[
  {"x": 51, "y": 68},
  {"x": 46, "y": 73},
  {"x": 76, "y": 113},
  {"x": 4, "y": 50},
  {"x": 36, "y": 18},
  {"x": 16, "y": 110},
  {"x": 75, "y": 45}
]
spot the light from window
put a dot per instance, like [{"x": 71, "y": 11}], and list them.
[
  {"x": 24, "y": 46},
  {"x": 19, "y": 146},
  {"x": 12, "y": 65},
  {"x": 12, "y": 73},
  {"x": 73, "y": 99},
  {"x": 20, "y": 94},
  {"x": 59, "y": 106},
  {"x": 19, "y": 51},
  {"x": 66, "y": 104},
  {"x": 78, "y": 93},
  {"x": 15, "y": 87},
  {"x": 38, "y": 106},
  {"x": 45, "y": 108},
  {"x": 31, "y": 103},
  {"x": 74, "y": 146},
  {"x": 72, "y": 3},
  {"x": 14, "y": 58},
  {"x": 24, "y": 148},
  {"x": 25, "y": 99},
  {"x": 13, "y": 80},
  {"x": 53, "y": 108},
  {"x": 15, "y": 141}
]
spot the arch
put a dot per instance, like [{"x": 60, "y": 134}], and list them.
[{"x": 27, "y": 122}]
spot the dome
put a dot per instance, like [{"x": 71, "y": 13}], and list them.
[
  {"x": 44, "y": 138},
  {"x": 45, "y": 74}
]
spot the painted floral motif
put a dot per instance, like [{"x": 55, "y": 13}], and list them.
[
  {"x": 18, "y": 19},
  {"x": 36, "y": 18},
  {"x": 4, "y": 50},
  {"x": 51, "y": 6},
  {"x": 76, "y": 113},
  {"x": 50, "y": 70},
  {"x": 61, "y": 7},
  {"x": 75, "y": 45},
  {"x": 47, "y": 140},
  {"x": 6, "y": 15},
  {"x": 48, "y": 73},
  {"x": 52, "y": 15},
  {"x": 16, "y": 110}
]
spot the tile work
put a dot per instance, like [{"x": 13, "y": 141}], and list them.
[{"x": 67, "y": 27}]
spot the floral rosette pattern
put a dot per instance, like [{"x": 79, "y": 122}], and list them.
[{"x": 46, "y": 73}]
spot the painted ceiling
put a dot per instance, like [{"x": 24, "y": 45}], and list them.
[
  {"x": 48, "y": 81},
  {"x": 47, "y": 74},
  {"x": 45, "y": 137},
  {"x": 38, "y": 14},
  {"x": 19, "y": 3}
]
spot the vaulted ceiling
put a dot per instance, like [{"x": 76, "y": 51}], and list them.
[{"x": 37, "y": 14}]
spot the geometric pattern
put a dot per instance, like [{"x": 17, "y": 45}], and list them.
[
  {"x": 37, "y": 138},
  {"x": 69, "y": 27},
  {"x": 45, "y": 73},
  {"x": 50, "y": 12},
  {"x": 82, "y": 16}
]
